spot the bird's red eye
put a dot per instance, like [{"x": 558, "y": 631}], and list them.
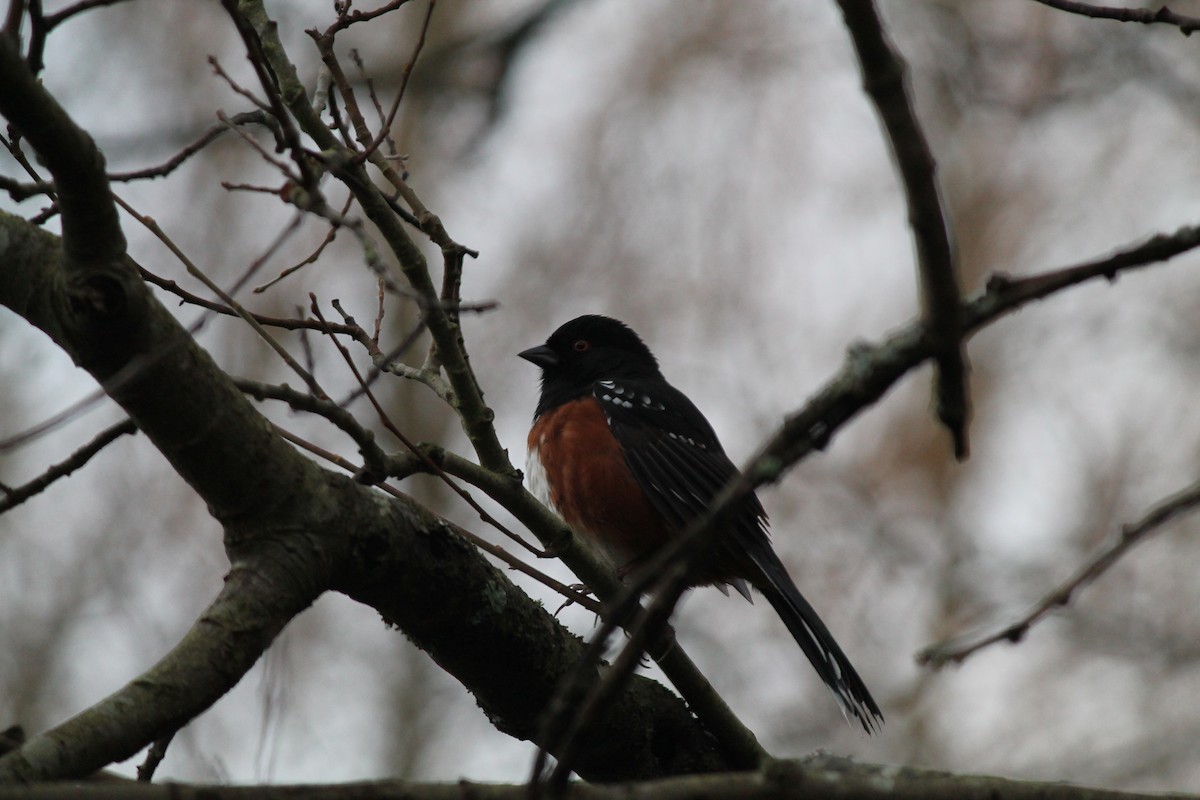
[{"x": 581, "y": 345}]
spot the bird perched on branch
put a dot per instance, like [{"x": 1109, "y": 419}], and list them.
[{"x": 627, "y": 460}]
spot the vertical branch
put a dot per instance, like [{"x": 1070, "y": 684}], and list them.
[{"x": 883, "y": 72}]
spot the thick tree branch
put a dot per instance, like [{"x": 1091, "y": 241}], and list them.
[
  {"x": 326, "y": 531},
  {"x": 292, "y": 530},
  {"x": 737, "y": 741},
  {"x": 476, "y": 416},
  {"x": 884, "y": 80},
  {"x": 253, "y": 607},
  {"x": 91, "y": 231},
  {"x": 819, "y": 777}
]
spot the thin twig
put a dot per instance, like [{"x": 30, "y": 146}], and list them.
[
  {"x": 279, "y": 164},
  {"x": 428, "y": 222},
  {"x": 470, "y": 404},
  {"x": 412, "y": 448},
  {"x": 205, "y": 139},
  {"x": 13, "y": 147},
  {"x": 571, "y": 594},
  {"x": 1187, "y": 25},
  {"x": 14, "y": 497},
  {"x": 59, "y": 17},
  {"x": 374, "y": 458},
  {"x": 347, "y": 17},
  {"x": 285, "y": 323},
  {"x": 379, "y": 312},
  {"x": 330, "y": 235},
  {"x": 382, "y": 362},
  {"x": 958, "y": 650},
  {"x": 61, "y": 418},
  {"x": 291, "y": 135},
  {"x": 151, "y": 225},
  {"x": 237, "y": 87},
  {"x": 386, "y": 128},
  {"x": 154, "y": 757},
  {"x": 361, "y": 66}
]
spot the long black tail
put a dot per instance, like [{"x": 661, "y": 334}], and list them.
[{"x": 815, "y": 640}]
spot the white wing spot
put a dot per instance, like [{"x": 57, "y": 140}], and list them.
[{"x": 686, "y": 440}]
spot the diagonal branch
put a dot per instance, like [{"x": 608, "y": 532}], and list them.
[
  {"x": 1187, "y": 25},
  {"x": 252, "y": 608},
  {"x": 957, "y": 651},
  {"x": 870, "y": 371},
  {"x": 14, "y": 497},
  {"x": 736, "y": 741},
  {"x": 286, "y": 521},
  {"x": 884, "y": 81}
]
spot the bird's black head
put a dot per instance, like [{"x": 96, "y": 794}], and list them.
[{"x": 585, "y": 350}]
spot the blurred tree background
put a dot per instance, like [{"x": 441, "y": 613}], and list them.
[{"x": 711, "y": 173}]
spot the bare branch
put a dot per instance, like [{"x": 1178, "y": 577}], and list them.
[
  {"x": 59, "y": 17},
  {"x": 816, "y": 777},
  {"x": 412, "y": 448},
  {"x": 203, "y": 141},
  {"x": 475, "y": 415},
  {"x": 14, "y": 497},
  {"x": 869, "y": 372},
  {"x": 79, "y": 407},
  {"x": 21, "y": 191},
  {"x": 220, "y": 308},
  {"x": 386, "y": 127},
  {"x": 278, "y": 107},
  {"x": 1187, "y": 25},
  {"x": 91, "y": 230},
  {"x": 252, "y": 608},
  {"x": 312, "y": 257},
  {"x": 884, "y": 80},
  {"x": 154, "y": 757},
  {"x": 957, "y": 651},
  {"x": 346, "y": 17},
  {"x": 12, "y": 20},
  {"x": 153, "y": 226},
  {"x": 373, "y": 457}
]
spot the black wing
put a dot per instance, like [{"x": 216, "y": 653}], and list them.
[
  {"x": 677, "y": 460},
  {"x": 673, "y": 451}
]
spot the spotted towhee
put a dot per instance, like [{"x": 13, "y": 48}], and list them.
[{"x": 627, "y": 461}]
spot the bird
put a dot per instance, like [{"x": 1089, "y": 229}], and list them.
[{"x": 627, "y": 461}]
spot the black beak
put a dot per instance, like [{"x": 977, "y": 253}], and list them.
[{"x": 541, "y": 355}]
